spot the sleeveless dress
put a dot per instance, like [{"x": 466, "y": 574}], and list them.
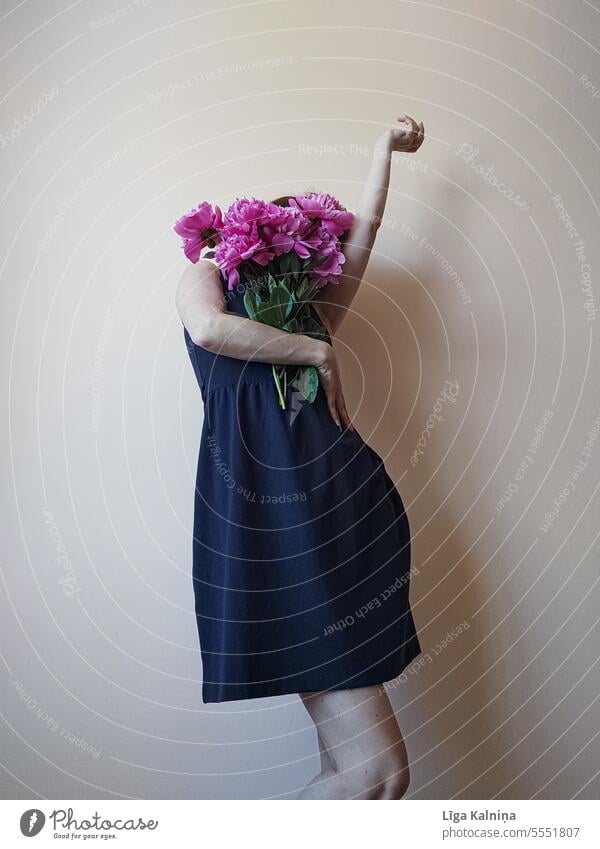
[{"x": 301, "y": 545}]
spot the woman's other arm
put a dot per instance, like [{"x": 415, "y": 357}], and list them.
[
  {"x": 333, "y": 301},
  {"x": 202, "y": 309}
]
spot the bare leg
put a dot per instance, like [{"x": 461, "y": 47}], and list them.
[{"x": 363, "y": 755}]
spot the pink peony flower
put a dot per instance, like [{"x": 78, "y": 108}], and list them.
[
  {"x": 235, "y": 250},
  {"x": 198, "y": 229},
  {"x": 329, "y": 258},
  {"x": 329, "y": 268},
  {"x": 257, "y": 232},
  {"x": 285, "y": 230},
  {"x": 334, "y": 217},
  {"x": 243, "y": 217}
]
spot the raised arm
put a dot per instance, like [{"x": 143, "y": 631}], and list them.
[
  {"x": 333, "y": 301},
  {"x": 203, "y": 312}
]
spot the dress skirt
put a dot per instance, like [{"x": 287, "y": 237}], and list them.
[{"x": 301, "y": 544}]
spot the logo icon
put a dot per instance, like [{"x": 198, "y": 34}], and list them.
[
  {"x": 297, "y": 402},
  {"x": 32, "y": 822}
]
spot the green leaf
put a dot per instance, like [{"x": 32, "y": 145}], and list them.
[
  {"x": 311, "y": 326},
  {"x": 295, "y": 263},
  {"x": 302, "y": 288},
  {"x": 252, "y": 303},
  {"x": 292, "y": 326},
  {"x": 284, "y": 265},
  {"x": 290, "y": 300},
  {"x": 274, "y": 310}
]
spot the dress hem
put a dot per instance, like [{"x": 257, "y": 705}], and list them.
[{"x": 212, "y": 694}]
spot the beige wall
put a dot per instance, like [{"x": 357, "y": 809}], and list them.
[{"x": 116, "y": 119}]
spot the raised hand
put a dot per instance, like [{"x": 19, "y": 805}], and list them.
[{"x": 408, "y": 136}]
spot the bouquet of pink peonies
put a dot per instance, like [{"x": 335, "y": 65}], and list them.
[{"x": 284, "y": 254}]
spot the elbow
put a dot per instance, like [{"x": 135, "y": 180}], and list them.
[
  {"x": 205, "y": 334},
  {"x": 199, "y": 337}
]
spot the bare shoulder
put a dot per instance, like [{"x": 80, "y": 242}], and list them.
[
  {"x": 199, "y": 288},
  {"x": 200, "y": 270}
]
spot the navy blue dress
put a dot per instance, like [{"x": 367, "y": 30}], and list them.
[{"x": 301, "y": 548}]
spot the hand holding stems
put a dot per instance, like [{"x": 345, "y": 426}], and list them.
[
  {"x": 329, "y": 377},
  {"x": 204, "y": 314}
]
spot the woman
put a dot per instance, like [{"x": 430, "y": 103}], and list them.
[{"x": 301, "y": 542}]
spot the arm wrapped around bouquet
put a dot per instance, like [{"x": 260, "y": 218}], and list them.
[{"x": 284, "y": 252}]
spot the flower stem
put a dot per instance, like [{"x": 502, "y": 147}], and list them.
[{"x": 278, "y": 385}]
